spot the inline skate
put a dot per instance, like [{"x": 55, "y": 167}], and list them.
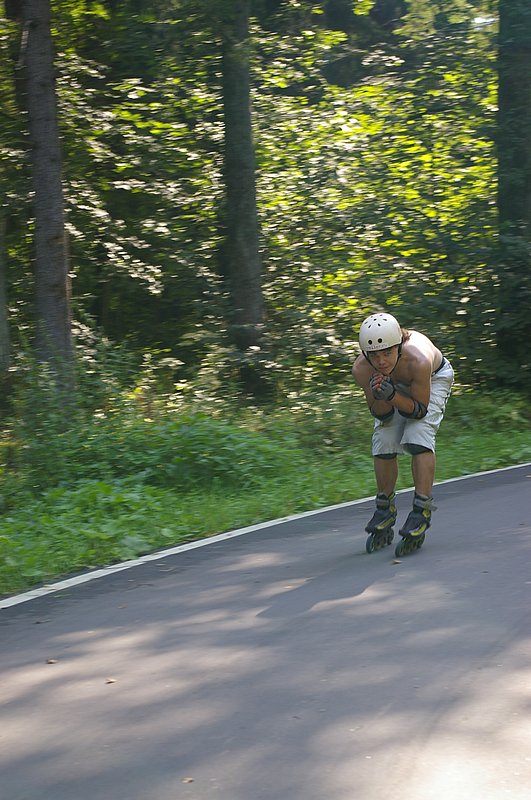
[
  {"x": 413, "y": 532},
  {"x": 380, "y": 527}
]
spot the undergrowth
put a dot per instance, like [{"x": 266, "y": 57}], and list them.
[{"x": 108, "y": 485}]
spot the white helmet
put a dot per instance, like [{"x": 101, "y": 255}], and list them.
[{"x": 378, "y": 332}]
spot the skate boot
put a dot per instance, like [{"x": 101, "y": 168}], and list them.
[
  {"x": 380, "y": 527},
  {"x": 414, "y": 530}
]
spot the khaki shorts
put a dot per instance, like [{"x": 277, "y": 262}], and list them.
[{"x": 393, "y": 435}]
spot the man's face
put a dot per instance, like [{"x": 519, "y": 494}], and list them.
[{"x": 384, "y": 361}]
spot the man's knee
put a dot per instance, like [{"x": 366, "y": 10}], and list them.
[
  {"x": 417, "y": 449},
  {"x": 386, "y": 456}
]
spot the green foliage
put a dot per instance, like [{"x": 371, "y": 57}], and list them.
[
  {"x": 120, "y": 486},
  {"x": 182, "y": 452},
  {"x": 379, "y": 196},
  {"x": 376, "y": 180},
  {"x": 92, "y": 524}
]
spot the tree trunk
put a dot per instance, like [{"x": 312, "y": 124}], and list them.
[
  {"x": 5, "y": 342},
  {"x": 54, "y": 342},
  {"x": 514, "y": 187},
  {"x": 242, "y": 248},
  {"x": 514, "y": 116}
]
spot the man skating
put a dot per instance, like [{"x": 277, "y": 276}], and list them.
[{"x": 407, "y": 382}]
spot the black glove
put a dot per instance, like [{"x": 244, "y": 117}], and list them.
[{"x": 385, "y": 391}]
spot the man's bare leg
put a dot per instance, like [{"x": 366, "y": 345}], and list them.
[
  {"x": 423, "y": 470},
  {"x": 419, "y": 519},
  {"x": 386, "y": 472}
]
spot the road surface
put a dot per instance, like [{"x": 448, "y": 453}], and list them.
[{"x": 286, "y": 664}]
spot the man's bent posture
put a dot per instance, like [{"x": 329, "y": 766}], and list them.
[{"x": 407, "y": 382}]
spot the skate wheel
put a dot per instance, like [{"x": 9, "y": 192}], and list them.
[
  {"x": 379, "y": 541},
  {"x": 399, "y": 549},
  {"x": 409, "y": 545}
]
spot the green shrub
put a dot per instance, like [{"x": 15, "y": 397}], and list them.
[
  {"x": 87, "y": 486},
  {"x": 182, "y": 453}
]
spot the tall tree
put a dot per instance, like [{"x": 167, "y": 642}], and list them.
[
  {"x": 514, "y": 183},
  {"x": 54, "y": 343},
  {"x": 242, "y": 249},
  {"x": 7, "y": 112},
  {"x": 5, "y": 342}
]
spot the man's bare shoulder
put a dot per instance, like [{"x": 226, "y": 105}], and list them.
[
  {"x": 421, "y": 353},
  {"x": 362, "y": 370}
]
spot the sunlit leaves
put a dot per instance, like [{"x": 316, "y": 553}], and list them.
[
  {"x": 389, "y": 182},
  {"x": 381, "y": 190},
  {"x": 362, "y": 7}
]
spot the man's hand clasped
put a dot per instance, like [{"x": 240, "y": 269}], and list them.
[{"x": 382, "y": 387}]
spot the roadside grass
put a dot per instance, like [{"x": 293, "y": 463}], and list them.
[{"x": 111, "y": 492}]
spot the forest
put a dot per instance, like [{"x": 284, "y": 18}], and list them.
[{"x": 200, "y": 202}]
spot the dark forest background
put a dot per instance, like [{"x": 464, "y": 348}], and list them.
[{"x": 226, "y": 188}]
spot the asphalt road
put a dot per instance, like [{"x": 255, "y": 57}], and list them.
[{"x": 286, "y": 664}]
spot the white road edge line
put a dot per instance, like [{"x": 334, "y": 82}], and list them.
[{"x": 221, "y": 537}]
